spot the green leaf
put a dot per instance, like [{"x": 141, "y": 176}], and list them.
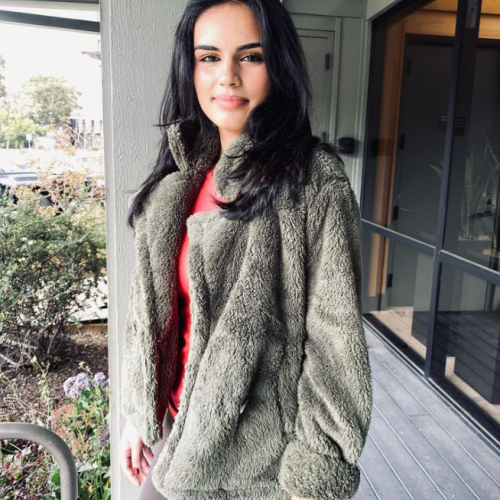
[{"x": 56, "y": 478}]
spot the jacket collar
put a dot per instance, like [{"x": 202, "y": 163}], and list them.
[{"x": 183, "y": 133}]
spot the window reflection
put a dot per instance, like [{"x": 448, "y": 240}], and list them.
[
  {"x": 403, "y": 177},
  {"x": 472, "y": 223},
  {"x": 397, "y": 303},
  {"x": 467, "y": 339}
]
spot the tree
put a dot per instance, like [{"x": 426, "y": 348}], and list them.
[
  {"x": 15, "y": 123},
  {"x": 49, "y": 100},
  {"x": 14, "y": 127}
]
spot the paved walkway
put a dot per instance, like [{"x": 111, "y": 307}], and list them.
[{"x": 418, "y": 447}]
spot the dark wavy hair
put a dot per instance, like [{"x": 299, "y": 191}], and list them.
[{"x": 279, "y": 126}]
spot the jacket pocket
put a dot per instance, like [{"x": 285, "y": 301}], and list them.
[
  {"x": 247, "y": 395},
  {"x": 258, "y": 440}
]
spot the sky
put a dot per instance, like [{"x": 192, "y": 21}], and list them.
[{"x": 32, "y": 50}]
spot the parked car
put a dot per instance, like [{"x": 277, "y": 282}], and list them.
[
  {"x": 10, "y": 166},
  {"x": 11, "y": 180}
]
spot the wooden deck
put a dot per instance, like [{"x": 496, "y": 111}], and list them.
[{"x": 418, "y": 447}]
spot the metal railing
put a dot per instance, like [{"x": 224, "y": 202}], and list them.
[{"x": 55, "y": 444}]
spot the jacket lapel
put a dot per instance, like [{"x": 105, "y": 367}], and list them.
[
  {"x": 170, "y": 203},
  {"x": 183, "y": 134}
]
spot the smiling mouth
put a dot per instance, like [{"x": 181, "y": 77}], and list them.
[
  {"x": 230, "y": 101},
  {"x": 230, "y": 98}
]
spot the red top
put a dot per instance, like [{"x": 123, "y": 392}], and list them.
[{"x": 202, "y": 203}]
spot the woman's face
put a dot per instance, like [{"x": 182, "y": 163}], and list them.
[{"x": 228, "y": 61}]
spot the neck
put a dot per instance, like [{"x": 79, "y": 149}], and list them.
[{"x": 227, "y": 137}]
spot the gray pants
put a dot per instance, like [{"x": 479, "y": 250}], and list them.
[{"x": 148, "y": 491}]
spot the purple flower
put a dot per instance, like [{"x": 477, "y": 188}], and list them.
[
  {"x": 82, "y": 382},
  {"x": 103, "y": 437},
  {"x": 74, "y": 385},
  {"x": 68, "y": 385},
  {"x": 100, "y": 380}
]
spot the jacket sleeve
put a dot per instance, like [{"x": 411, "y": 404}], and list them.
[
  {"x": 138, "y": 384},
  {"x": 335, "y": 387}
]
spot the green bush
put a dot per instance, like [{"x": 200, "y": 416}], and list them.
[{"x": 52, "y": 257}]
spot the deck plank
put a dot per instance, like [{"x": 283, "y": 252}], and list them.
[
  {"x": 365, "y": 490},
  {"x": 454, "y": 425},
  {"x": 418, "y": 446},
  {"x": 380, "y": 474},
  {"x": 419, "y": 483}
]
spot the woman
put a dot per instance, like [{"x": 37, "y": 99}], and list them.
[{"x": 264, "y": 366}]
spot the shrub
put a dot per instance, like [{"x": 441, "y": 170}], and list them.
[{"x": 51, "y": 258}]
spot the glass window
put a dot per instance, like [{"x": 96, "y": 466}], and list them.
[
  {"x": 408, "y": 107},
  {"x": 466, "y": 351},
  {"x": 473, "y": 212},
  {"x": 397, "y": 291}
]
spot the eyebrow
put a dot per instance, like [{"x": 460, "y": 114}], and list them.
[{"x": 241, "y": 47}]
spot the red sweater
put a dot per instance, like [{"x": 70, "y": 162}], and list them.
[{"x": 202, "y": 203}]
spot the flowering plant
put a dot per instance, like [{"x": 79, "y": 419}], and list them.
[
  {"x": 73, "y": 386},
  {"x": 31, "y": 471},
  {"x": 84, "y": 424}
]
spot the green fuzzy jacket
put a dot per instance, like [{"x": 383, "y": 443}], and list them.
[{"x": 277, "y": 394}]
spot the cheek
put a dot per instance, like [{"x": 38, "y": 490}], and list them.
[
  {"x": 203, "y": 81},
  {"x": 261, "y": 83},
  {"x": 205, "y": 75}
]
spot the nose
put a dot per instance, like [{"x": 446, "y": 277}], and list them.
[{"x": 228, "y": 75}]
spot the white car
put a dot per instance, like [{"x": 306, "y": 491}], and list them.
[
  {"x": 10, "y": 166},
  {"x": 11, "y": 179}
]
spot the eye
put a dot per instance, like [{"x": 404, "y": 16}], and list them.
[
  {"x": 204, "y": 58},
  {"x": 257, "y": 57},
  {"x": 254, "y": 57}
]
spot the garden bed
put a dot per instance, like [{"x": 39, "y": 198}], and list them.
[
  {"x": 72, "y": 399},
  {"x": 22, "y": 402}
]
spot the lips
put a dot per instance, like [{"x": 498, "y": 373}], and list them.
[
  {"x": 230, "y": 101},
  {"x": 230, "y": 98}
]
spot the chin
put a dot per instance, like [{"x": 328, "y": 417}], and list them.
[{"x": 229, "y": 124}]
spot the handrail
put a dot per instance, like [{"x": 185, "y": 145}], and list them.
[{"x": 55, "y": 444}]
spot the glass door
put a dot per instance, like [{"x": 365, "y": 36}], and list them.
[
  {"x": 431, "y": 197},
  {"x": 466, "y": 347},
  {"x": 411, "y": 78}
]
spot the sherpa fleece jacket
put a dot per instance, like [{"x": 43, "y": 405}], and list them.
[{"x": 277, "y": 394}]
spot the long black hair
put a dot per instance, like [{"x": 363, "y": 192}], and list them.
[{"x": 279, "y": 126}]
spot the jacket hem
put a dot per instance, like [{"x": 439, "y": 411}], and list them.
[
  {"x": 308, "y": 474},
  {"x": 252, "y": 493}
]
